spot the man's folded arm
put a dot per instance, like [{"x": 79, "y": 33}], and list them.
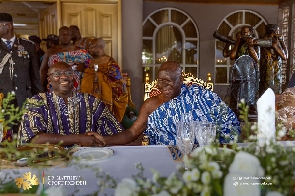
[
  {"x": 64, "y": 140},
  {"x": 130, "y": 134}
]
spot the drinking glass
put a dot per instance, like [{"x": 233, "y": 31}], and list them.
[
  {"x": 211, "y": 134},
  {"x": 201, "y": 135},
  {"x": 205, "y": 132},
  {"x": 185, "y": 134}
]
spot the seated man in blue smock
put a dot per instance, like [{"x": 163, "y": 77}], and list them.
[{"x": 160, "y": 114}]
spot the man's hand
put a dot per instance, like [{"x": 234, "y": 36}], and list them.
[
  {"x": 239, "y": 35},
  {"x": 98, "y": 138},
  {"x": 89, "y": 141},
  {"x": 250, "y": 41},
  {"x": 80, "y": 67}
]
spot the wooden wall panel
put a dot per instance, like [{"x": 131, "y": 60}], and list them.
[
  {"x": 108, "y": 47},
  {"x": 105, "y": 25},
  {"x": 48, "y": 23},
  {"x": 74, "y": 18},
  {"x": 94, "y": 20},
  {"x": 90, "y": 22},
  {"x": 48, "y": 20}
]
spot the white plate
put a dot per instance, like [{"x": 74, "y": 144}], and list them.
[{"x": 93, "y": 154}]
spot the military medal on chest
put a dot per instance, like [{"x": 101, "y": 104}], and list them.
[{"x": 21, "y": 52}]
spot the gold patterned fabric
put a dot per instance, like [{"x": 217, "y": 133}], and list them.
[{"x": 108, "y": 85}]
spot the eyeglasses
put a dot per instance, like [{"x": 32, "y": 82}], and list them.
[
  {"x": 58, "y": 74},
  {"x": 3, "y": 24}
]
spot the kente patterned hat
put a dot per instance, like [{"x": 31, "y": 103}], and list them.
[{"x": 5, "y": 17}]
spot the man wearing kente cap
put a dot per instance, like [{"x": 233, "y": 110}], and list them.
[{"x": 19, "y": 70}]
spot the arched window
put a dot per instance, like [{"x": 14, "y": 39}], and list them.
[
  {"x": 169, "y": 34},
  {"x": 229, "y": 26}
]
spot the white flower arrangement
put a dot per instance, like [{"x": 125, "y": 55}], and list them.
[
  {"x": 215, "y": 171},
  {"x": 208, "y": 171},
  {"x": 238, "y": 172}
]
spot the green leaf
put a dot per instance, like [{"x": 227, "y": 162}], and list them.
[
  {"x": 9, "y": 187},
  {"x": 31, "y": 190},
  {"x": 217, "y": 187}
]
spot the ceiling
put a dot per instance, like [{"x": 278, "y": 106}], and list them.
[
  {"x": 25, "y": 15},
  {"x": 26, "y": 12}
]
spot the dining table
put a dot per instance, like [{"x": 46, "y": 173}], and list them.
[{"x": 83, "y": 176}]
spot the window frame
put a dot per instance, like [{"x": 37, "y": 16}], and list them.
[{"x": 183, "y": 64}]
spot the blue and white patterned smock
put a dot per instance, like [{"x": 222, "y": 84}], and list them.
[{"x": 204, "y": 105}]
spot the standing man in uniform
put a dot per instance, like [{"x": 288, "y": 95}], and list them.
[{"x": 19, "y": 71}]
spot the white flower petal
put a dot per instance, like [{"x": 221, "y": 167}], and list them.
[
  {"x": 195, "y": 174},
  {"x": 126, "y": 187},
  {"x": 206, "y": 177},
  {"x": 216, "y": 174},
  {"x": 247, "y": 164},
  {"x": 213, "y": 166},
  {"x": 187, "y": 176},
  {"x": 162, "y": 193},
  {"x": 206, "y": 191}
]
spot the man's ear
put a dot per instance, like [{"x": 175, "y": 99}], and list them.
[
  {"x": 10, "y": 25},
  {"x": 48, "y": 79},
  {"x": 181, "y": 78}
]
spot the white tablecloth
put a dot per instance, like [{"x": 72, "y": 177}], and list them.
[{"x": 120, "y": 165}]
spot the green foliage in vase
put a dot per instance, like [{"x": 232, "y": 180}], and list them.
[{"x": 9, "y": 114}]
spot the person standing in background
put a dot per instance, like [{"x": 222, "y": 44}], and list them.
[
  {"x": 65, "y": 52},
  {"x": 103, "y": 79},
  {"x": 19, "y": 70},
  {"x": 39, "y": 51},
  {"x": 51, "y": 41},
  {"x": 82, "y": 43}
]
